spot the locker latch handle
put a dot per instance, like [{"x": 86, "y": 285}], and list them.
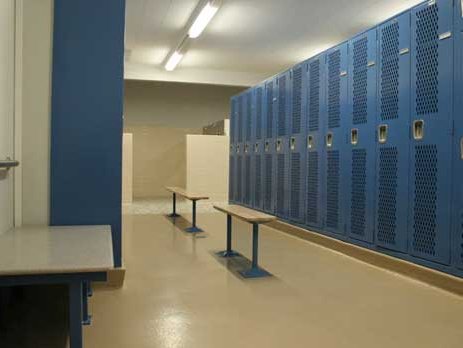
[
  {"x": 329, "y": 140},
  {"x": 382, "y": 133},
  {"x": 293, "y": 144},
  {"x": 418, "y": 129},
  {"x": 310, "y": 142},
  {"x": 354, "y": 136},
  {"x": 256, "y": 147},
  {"x": 231, "y": 148},
  {"x": 237, "y": 149},
  {"x": 267, "y": 146},
  {"x": 246, "y": 148},
  {"x": 278, "y": 145}
]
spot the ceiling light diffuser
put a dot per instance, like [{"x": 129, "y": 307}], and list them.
[
  {"x": 203, "y": 19},
  {"x": 173, "y": 61}
]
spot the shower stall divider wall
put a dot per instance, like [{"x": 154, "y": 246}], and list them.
[{"x": 364, "y": 142}]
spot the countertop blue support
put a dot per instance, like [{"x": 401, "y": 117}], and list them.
[{"x": 87, "y": 107}]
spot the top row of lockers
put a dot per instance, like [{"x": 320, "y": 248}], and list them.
[{"x": 264, "y": 101}]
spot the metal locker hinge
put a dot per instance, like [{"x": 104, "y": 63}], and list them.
[
  {"x": 445, "y": 35},
  {"x": 405, "y": 50}
]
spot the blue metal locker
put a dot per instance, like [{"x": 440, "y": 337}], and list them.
[
  {"x": 331, "y": 144},
  {"x": 258, "y": 148},
  {"x": 269, "y": 145},
  {"x": 232, "y": 164},
  {"x": 393, "y": 129},
  {"x": 282, "y": 147},
  {"x": 247, "y": 153},
  {"x": 360, "y": 176},
  {"x": 316, "y": 107},
  {"x": 239, "y": 149},
  {"x": 458, "y": 139},
  {"x": 431, "y": 144},
  {"x": 297, "y": 143}
]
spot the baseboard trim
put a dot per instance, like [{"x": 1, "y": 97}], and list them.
[{"x": 420, "y": 273}]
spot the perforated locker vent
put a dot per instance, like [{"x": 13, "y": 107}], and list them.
[
  {"x": 247, "y": 180},
  {"x": 258, "y": 181},
  {"x": 332, "y": 189},
  {"x": 297, "y": 101},
  {"x": 387, "y": 199},
  {"x": 295, "y": 185},
  {"x": 269, "y": 102},
  {"x": 232, "y": 178},
  {"x": 280, "y": 183},
  {"x": 312, "y": 187},
  {"x": 240, "y": 119},
  {"x": 259, "y": 114},
  {"x": 390, "y": 72},
  {"x": 282, "y": 106},
  {"x": 334, "y": 89},
  {"x": 248, "y": 116},
  {"x": 268, "y": 183},
  {"x": 233, "y": 121},
  {"x": 425, "y": 202},
  {"x": 360, "y": 80},
  {"x": 314, "y": 95},
  {"x": 427, "y": 60},
  {"x": 358, "y": 198},
  {"x": 239, "y": 179}
]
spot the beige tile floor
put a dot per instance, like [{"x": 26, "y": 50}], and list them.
[{"x": 178, "y": 294}]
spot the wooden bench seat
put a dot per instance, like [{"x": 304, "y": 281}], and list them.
[
  {"x": 194, "y": 197},
  {"x": 253, "y": 217}
]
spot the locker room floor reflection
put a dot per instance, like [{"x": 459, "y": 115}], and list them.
[{"x": 177, "y": 294}]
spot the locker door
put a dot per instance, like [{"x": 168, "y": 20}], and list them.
[
  {"x": 269, "y": 144},
  {"x": 232, "y": 174},
  {"x": 314, "y": 143},
  {"x": 282, "y": 147},
  {"x": 240, "y": 151},
  {"x": 430, "y": 181},
  {"x": 297, "y": 143},
  {"x": 258, "y": 149},
  {"x": 393, "y": 124},
  {"x": 247, "y": 174},
  {"x": 361, "y": 136},
  {"x": 331, "y": 143},
  {"x": 458, "y": 139}
]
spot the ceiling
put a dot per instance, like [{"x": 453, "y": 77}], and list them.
[{"x": 248, "y": 40}]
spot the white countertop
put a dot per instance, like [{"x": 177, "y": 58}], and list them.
[{"x": 60, "y": 249}]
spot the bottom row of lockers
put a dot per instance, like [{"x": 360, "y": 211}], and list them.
[{"x": 388, "y": 198}]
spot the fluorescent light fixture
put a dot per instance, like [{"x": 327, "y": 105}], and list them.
[
  {"x": 173, "y": 61},
  {"x": 203, "y": 19}
]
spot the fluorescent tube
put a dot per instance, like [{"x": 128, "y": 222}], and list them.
[
  {"x": 203, "y": 19},
  {"x": 173, "y": 61}
]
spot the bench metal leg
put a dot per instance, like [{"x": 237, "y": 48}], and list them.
[
  {"x": 194, "y": 228},
  {"x": 255, "y": 271},
  {"x": 75, "y": 314},
  {"x": 229, "y": 252},
  {"x": 86, "y": 318},
  {"x": 174, "y": 207}
]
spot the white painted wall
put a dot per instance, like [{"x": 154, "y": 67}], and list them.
[
  {"x": 36, "y": 98},
  {"x": 127, "y": 168},
  {"x": 7, "y": 69}
]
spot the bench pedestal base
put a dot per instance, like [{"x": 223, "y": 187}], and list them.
[
  {"x": 193, "y": 229},
  {"x": 173, "y": 215},
  {"x": 228, "y": 253},
  {"x": 255, "y": 273}
]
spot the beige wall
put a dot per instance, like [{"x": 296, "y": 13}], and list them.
[
  {"x": 160, "y": 115},
  {"x": 127, "y": 168},
  {"x": 36, "y": 86},
  {"x": 207, "y": 160}
]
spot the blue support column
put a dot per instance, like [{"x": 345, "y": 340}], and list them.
[
  {"x": 255, "y": 271},
  {"x": 229, "y": 252},
  {"x": 75, "y": 314},
  {"x": 174, "y": 206},
  {"x": 193, "y": 228}
]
